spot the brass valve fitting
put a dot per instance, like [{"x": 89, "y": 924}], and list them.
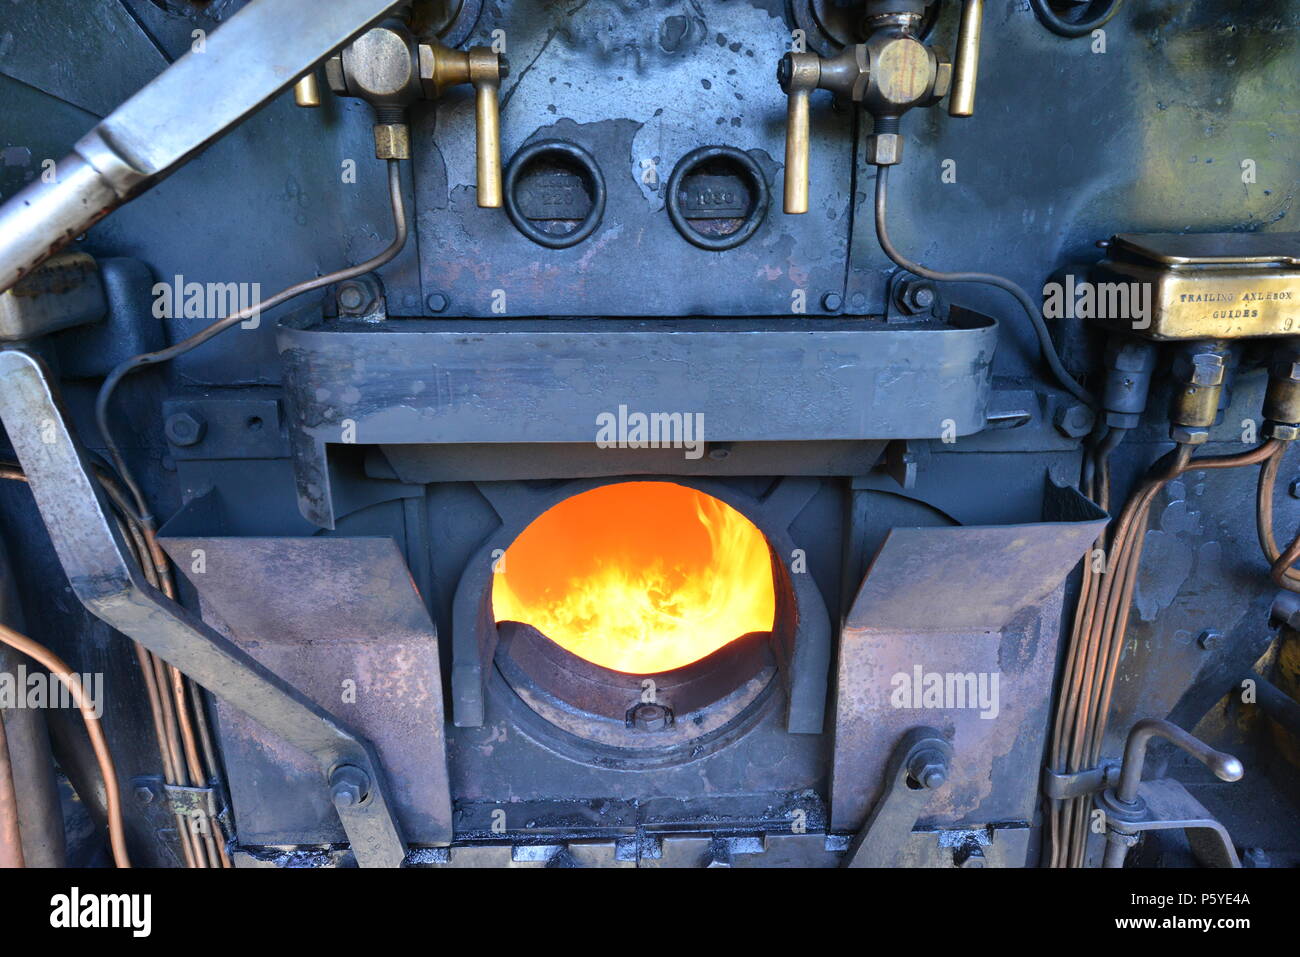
[
  {"x": 888, "y": 74},
  {"x": 1201, "y": 372},
  {"x": 1282, "y": 399},
  {"x": 388, "y": 68}
]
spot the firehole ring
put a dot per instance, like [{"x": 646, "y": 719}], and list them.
[{"x": 593, "y": 713}]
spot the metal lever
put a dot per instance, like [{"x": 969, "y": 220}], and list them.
[
  {"x": 442, "y": 67},
  {"x": 917, "y": 768},
  {"x": 798, "y": 74},
  {"x": 1134, "y": 806},
  {"x": 1224, "y": 766},
  {"x": 256, "y": 54},
  {"x": 961, "y": 102}
]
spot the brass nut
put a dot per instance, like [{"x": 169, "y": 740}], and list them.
[
  {"x": 392, "y": 141},
  {"x": 334, "y": 75},
  {"x": 1201, "y": 368},
  {"x": 1188, "y": 435},
  {"x": 1281, "y": 431},
  {"x": 1288, "y": 371},
  {"x": 884, "y": 149},
  {"x": 942, "y": 81}
]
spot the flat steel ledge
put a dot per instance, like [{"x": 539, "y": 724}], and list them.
[{"x": 459, "y": 381}]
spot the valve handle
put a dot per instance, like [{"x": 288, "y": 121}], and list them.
[
  {"x": 961, "y": 102},
  {"x": 486, "y": 69},
  {"x": 798, "y": 74},
  {"x": 442, "y": 67},
  {"x": 796, "y": 152}
]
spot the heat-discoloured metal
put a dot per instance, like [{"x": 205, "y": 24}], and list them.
[
  {"x": 339, "y": 618},
  {"x": 983, "y": 602}
]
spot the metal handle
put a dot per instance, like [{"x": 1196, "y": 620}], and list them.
[
  {"x": 487, "y": 122},
  {"x": 961, "y": 102},
  {"x": 1224, "y": 766},
  {"x": 798, "y": 74},
  {"x": 797, "y": 125}
]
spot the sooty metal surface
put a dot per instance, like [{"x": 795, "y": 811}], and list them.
[
  {"x": 422, "y": 381},
  {"x": 967, "y": 600},
  {"x": 341, "y": 619}
]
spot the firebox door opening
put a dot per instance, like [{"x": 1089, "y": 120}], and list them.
[
  {"x": 639, "y": 577},
  {"x": 637, "y": 619}
]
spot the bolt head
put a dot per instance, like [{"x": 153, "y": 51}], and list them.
[
  {"x": 1075, "y": 420},
  {"x": 144, "y": 794},
  {"x": 350, "y": 296},
  {"x": 184, "y": 429},
  {"x": 1210, "y": 639},
  {"x": 349, "y": 786},
  {"x": 832, "y": 302},
  {"x": 929, "y": 769},
  {"x": 437, "y": 302},
  {"x": 650, "y": 717}
]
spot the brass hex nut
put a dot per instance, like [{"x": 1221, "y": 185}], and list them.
[
  {"x": 1281, "y": 431},
  {"x": 1201, "y": 368},
  {"x": 392, "y": 141},
  {"x": 884, "y": 149},
  {"x": 334, "y": 75},
  {"x": 1288, "y": 370}
]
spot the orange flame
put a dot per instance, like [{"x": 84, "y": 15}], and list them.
[{"x": 638, "y": 577}]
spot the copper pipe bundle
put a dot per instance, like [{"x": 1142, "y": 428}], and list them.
[
  {"x": 175, "y": 703},
  {"x": 1097, "y": 641}
]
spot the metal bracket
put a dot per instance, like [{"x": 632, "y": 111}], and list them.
[
  {"x": 1134, "y": 805},
  {"x": 1165, "y": 805},
  {"x": 917, "y": 768},
  {"x": 85, "y": 538},
  {"x": 187, "y": 801},
  {"x": 1063, "y": 787}
]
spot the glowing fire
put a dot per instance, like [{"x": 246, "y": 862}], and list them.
[{"x": 639, "y": 577}]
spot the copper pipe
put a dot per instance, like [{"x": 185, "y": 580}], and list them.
[
  {"x": 1282, "y": 567},
  {"x": 56, "y": 666},
  {"x": 11, "y": 838},
  {"x": 188, "y": 740},
  {"x": 210, "y": 761},
  {"x": 1283, "y": 574}
]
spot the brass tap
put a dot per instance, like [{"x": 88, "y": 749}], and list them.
[
  {"x": 390, "y": 69},
  {"x": 442, "y": 67},
  {"x": 887, "y": 74}
]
